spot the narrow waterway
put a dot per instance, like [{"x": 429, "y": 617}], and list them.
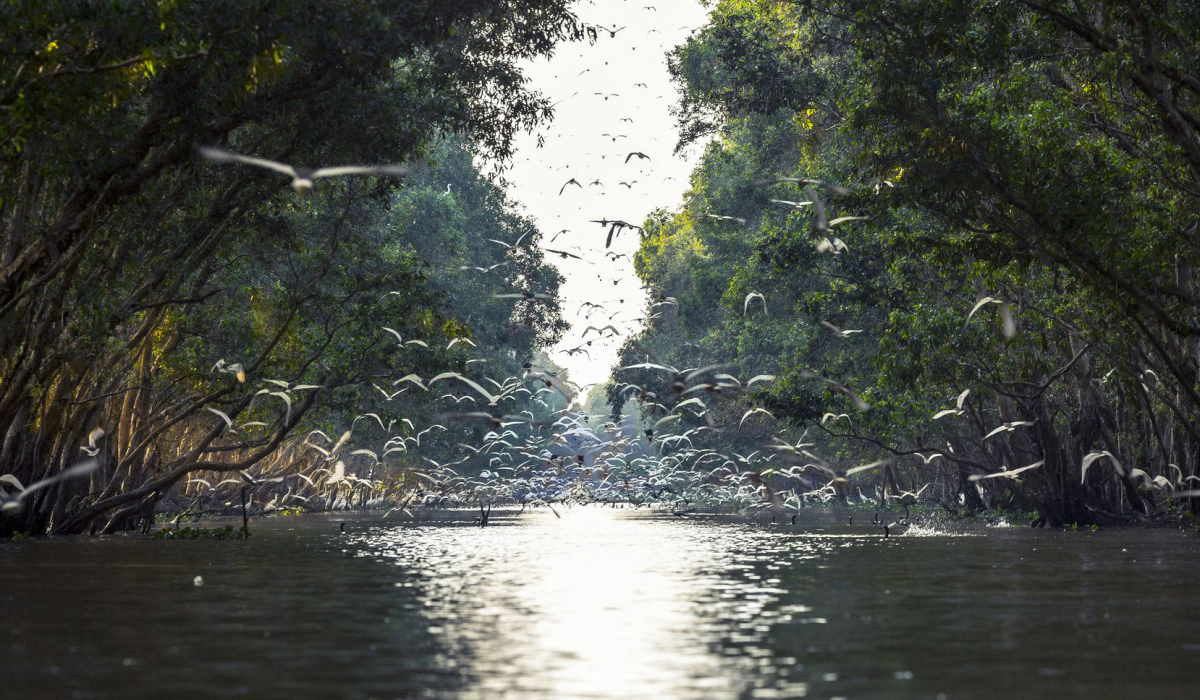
[{"x": 603, "y": 603}]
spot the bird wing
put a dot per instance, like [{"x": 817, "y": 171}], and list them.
[
  {"x": 751, "y": 412},
  {"x": 843, "y": 219},
  {"x": 411, "y": 378},
  {"x": 390, "y": 170},
  {"x": 367, "y": 452},
  {"x": 224, "y": 416},
  {"x": 980, "y": 304},
  {"x": 11, "y": 479},
  {"x": 469, "y": 382},
  {"x": 864, "y": 467},
  {"x": 822, "y": 222},
  {"x": 1007, "y": 327},
  {"x": 82, "y": 469},
  {"x": 855, "y": 399},
  {"x": 228, "y": 157},
  {"x": 95, "y": 435},
  {"x": 1092, "y": 457}
]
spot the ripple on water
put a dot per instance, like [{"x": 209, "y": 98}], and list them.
[{"x": 600, "y": 604}]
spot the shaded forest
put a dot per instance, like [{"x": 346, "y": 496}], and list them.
[{"x": 163, "y": 317}]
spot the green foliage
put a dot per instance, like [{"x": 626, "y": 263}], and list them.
[
  {"x": 1035, "y": 153},
  {"x": 129, "y": 267}
]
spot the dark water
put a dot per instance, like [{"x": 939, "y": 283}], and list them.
[{"x": 602, "y": 604}]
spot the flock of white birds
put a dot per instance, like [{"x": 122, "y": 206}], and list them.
[{"x": 606, "y": 162}]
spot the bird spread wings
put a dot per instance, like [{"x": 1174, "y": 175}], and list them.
[{"x": 227, "y": 157}]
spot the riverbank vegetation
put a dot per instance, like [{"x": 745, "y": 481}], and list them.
[
  {"x": 167, "y": 318},
  {"x": 1022, "y": 290},
  {"x": 932, "y": 256}
]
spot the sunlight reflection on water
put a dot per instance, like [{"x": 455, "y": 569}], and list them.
[
  {"x": 603, "y": 603},
  {"x": 597, "y": 605}
]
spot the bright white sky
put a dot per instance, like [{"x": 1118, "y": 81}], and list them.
[{"x": 576, "y": 147}]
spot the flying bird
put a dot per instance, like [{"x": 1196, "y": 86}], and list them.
[
  {"x": 522, "y": 295},
  {"x": 11, "y": 504},
  {"x": 615, "y": 226},
  {"x": 835, "y": 189},
  {"x": 302, "y": 178},
  {"x": 1009, "y": 474},
  {"x": 958, "y": 410},
  {"x": 751, "y": 297},
  {"x": 858, "y": 403},
  {"x": 838, "y": 332},
  {"x": 836, "y": 246},
  {"x": 726, "y": 218},
  {"x": 639, "y": 154},
  {"x": 1007, "y": 327},
  {"x": 572, "y": 181},
  {"x": 92, "y": 449},
  {"x": 1008, "y": 428}
]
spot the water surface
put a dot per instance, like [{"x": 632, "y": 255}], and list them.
[{"x": 603, "y": 604}]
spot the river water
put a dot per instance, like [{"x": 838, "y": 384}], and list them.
[{"x": 603, "y": 603}]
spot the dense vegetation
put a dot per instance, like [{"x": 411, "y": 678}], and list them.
[
  {"x": 953, "y": 243},
  {"x": 1045, "y": 155},
  {"x": 146, "y": 295}
]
